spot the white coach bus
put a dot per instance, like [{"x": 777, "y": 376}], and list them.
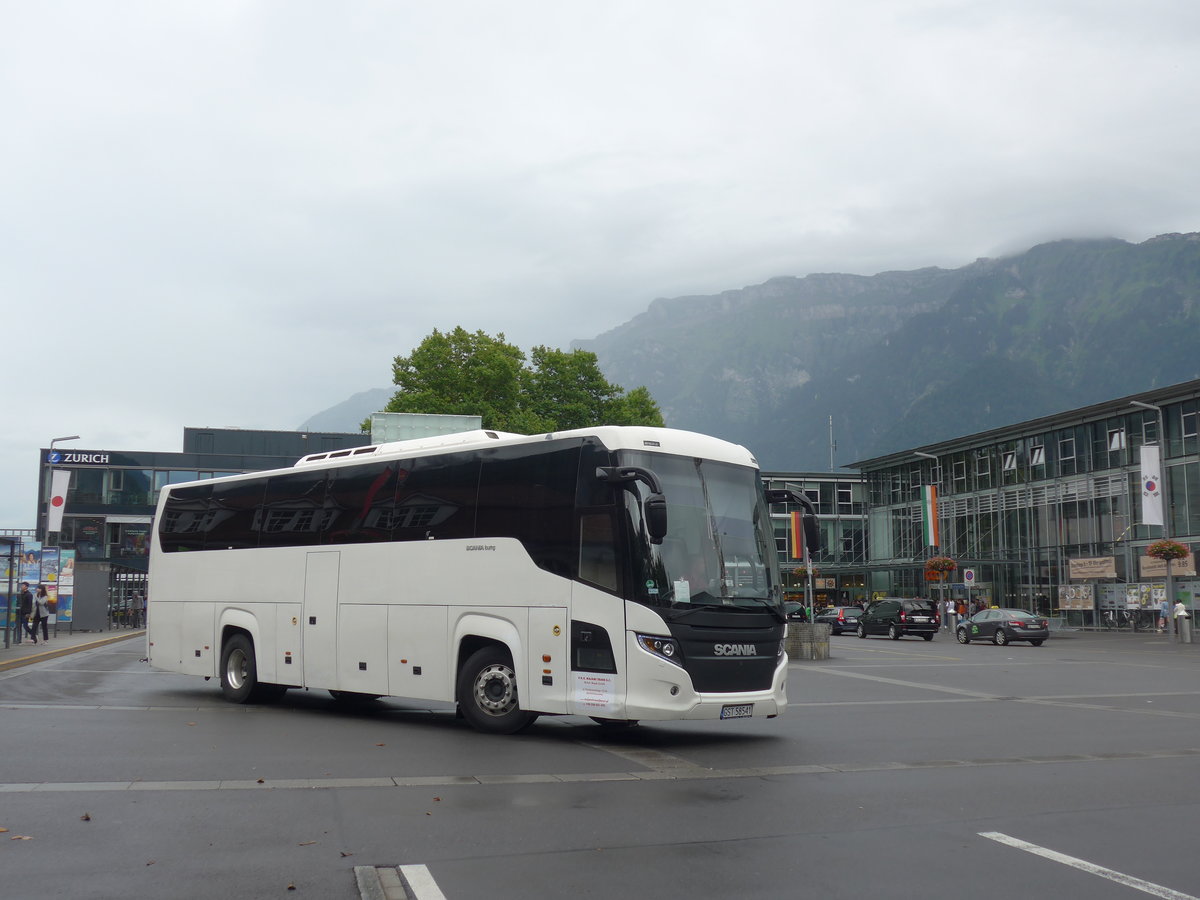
[{"x": 622, "y": 573}]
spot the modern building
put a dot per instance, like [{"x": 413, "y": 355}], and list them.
[
  {"x": 1045, "y": 514},
  {"x": 840, "y": 566},
  {"x": 96, "y": 563}
]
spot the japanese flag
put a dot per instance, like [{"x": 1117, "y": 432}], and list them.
[{"x": 60, "y": 480}]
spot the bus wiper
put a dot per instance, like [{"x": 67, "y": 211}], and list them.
[
  {"x": 774, "y": 609},
  {"x": 683, "y": 612}
]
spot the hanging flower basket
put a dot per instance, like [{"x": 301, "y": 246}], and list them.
[
  {"x": 940, "y": 564},
  {"x": 1167, "y": 550},
  {"x": 802, "y": 572}
]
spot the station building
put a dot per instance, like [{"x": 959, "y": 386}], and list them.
[
  {"x": 1047, "y": 514},
  {"x": 840, "y": 571},
  {"x": 97, "y": 561}
]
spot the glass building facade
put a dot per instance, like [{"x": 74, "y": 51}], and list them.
[
  {"x": 111, "y": 499},
  {"x": 840, "y": 566},
  {"x": 1017, "y": 505}
]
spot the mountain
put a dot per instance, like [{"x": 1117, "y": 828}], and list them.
[
  {"x": 901, "y": 359},
  {"x": 348, "y": 415}
]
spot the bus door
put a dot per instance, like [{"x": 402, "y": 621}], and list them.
[{"x": 320, "y": 618}]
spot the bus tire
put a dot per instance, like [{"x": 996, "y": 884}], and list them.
[
  {"x": 487, "y": 693},
  {"x": 239, "y": 671}
]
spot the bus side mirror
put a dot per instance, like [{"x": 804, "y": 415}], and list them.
[
  {"x": 655, "y": 511},
  {"x": 812, "y": 534}
]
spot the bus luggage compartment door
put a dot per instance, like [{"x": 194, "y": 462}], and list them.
[{"x": 319, "y": 621}]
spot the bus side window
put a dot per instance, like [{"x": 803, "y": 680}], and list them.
[
  {"x": 597, "y": 550},
  {"x": 232, "y": 515}
]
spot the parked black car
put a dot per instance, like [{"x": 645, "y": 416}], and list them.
[
  {"x": 1004, "y": 625},
  {"x": 839, "y": 618},
  {"x": 796, "y": 611},
  {"x": 895, "y": 617}
]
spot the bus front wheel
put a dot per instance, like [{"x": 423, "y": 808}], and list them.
[{"x": 487, "y": 693}]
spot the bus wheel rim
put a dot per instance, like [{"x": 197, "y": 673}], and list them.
[
  {"x": 235, "y": 669},
  {"x": 496, "y": 690}
]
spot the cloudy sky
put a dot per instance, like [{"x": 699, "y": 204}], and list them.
[{"x": 237, "y": 213}]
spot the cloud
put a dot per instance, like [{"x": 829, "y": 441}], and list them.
[{"x": 239, "y": 213}]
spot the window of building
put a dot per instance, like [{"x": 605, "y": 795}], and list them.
[
  {"x": 960, "y": 475},
  {"x": 845, "y": 499},
  {"x": 1009, "y": 461},
  {"x": 1037, "y": 455},
  {"x": 983, "y": 470},
  {"x": 1066, "y": 456},
  {"x": 1116, "y": 440},
  {"x": 1188, "y": 418}
]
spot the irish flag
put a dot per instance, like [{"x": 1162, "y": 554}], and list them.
[{"x": 929, "y": 515}]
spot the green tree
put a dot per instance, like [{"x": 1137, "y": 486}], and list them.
[{"x": 460, "y": 373}]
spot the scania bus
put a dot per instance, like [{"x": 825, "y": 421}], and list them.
[{"x": 621, "y": 573}]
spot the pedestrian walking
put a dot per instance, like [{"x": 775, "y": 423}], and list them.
[
  {"x": 41, "y": 613},
  {"x": 24, "y": 611},
  {"x": 1164, "y": 614}
]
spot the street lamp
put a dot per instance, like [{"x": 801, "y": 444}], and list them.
[
  {"x": 935, "y": 528},
  {"x": 69, "y": 437},
  {"x": 50, "y": 493},
  {"x": 1169, "y": 586},
  {"x": 51, "y": 501},
  {"x": 937, "y": 477}
]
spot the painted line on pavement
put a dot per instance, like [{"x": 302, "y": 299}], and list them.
[
  {"x": 1146, "y": 887},
  {"x": 671, "y": 769}
]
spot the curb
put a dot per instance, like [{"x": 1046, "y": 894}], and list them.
[{"x": 63, "y": 651}]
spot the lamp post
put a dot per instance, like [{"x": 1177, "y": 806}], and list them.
[
  {"x": 51, "y": 461},
  {"x": 937, "y": 512},
  {"x": 1169, "y": 585},
  {"x": 49, "y": 504}
]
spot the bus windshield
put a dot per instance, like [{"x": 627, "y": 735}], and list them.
[{"x": 719, "y": 548}]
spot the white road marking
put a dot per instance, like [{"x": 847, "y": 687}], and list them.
[
  {"x": 420, "y": 883},
  {"x": 1146, "y": 887}
]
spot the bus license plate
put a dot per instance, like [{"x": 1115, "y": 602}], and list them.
[{"x": 741, "y": 711}]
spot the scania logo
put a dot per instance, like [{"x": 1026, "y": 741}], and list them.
[{"x": 735, "y": 650}]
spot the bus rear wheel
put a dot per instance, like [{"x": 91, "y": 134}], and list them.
[
  {"x": 487, "y": 693},
  {"x": 239, "y": 672}
]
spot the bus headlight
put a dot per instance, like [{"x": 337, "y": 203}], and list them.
[{"x": 662, "y": 647}]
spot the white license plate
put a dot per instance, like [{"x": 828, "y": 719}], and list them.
[
  {"x": 920, "y": 618},
  {"x": 741, "y": 711}
]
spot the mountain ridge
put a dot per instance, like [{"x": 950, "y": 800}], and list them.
[{"x": 904, "y": 358}]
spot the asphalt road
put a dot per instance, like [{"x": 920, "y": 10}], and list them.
[{"x": 902, "y": 769}]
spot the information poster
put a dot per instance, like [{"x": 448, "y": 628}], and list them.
[
  {"x": 66, "y": 586},
  {"x": 1076, "y": 596}
]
